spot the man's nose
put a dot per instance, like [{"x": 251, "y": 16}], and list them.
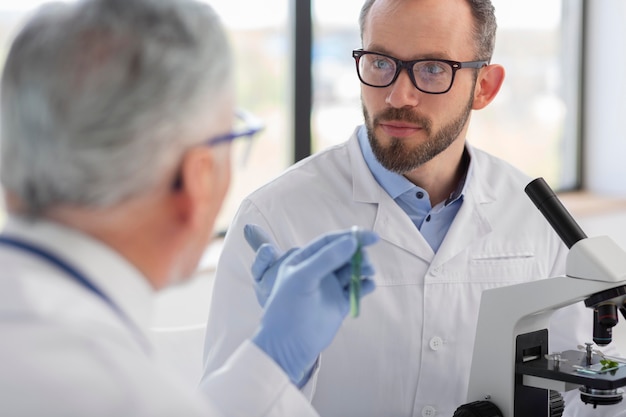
[{"x": 402, "y": 92}]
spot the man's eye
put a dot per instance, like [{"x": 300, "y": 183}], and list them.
[
  {"x": 382, "y": 64},
  {"x": 432, "y": 68}
]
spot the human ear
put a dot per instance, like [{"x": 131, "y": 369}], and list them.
[
  {"x": 490, "y": 79},
  {"x": 195, "y": 185}
]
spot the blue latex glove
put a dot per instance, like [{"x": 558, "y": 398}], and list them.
[
  {"x": 268, "y": 259},
  {"x": 310, "y": 300}
]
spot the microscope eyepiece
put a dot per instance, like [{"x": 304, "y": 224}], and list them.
[{"x": 553, "y": 210}]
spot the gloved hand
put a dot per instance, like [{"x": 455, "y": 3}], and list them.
[
  {"x": 268, "y": 259},
  {"x": 310, "y": 300}
]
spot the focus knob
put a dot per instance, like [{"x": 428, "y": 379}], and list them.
[{"x": 478, "y": 409}]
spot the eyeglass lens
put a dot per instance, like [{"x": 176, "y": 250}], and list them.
[{"x": 430, "y": 76}]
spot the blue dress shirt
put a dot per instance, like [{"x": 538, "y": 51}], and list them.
[{"x": 432, "y": 222}]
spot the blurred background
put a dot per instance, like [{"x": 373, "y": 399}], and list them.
[{"x": 559, "y": 114}]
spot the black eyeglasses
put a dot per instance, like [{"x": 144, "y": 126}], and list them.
[{"x": 432, "y": 76}]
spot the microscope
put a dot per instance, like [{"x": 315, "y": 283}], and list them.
[{"x": 526, "y": 380}]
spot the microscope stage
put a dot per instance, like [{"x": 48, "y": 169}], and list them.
[{"x": 573, "y": 369}]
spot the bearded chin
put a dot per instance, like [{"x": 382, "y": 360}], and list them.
[{"x": 402, "y": 155}]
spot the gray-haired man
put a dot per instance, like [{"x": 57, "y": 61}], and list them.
[{"x": 116, "y": 121}]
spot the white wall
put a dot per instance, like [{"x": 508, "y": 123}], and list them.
[
  {"x": 604, "y": 154},
  {"x": 605, "y": 98}
]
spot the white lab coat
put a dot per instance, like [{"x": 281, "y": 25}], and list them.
[
  {"x": 64, "y": 352},
  {"x": 409, "y": 351}
]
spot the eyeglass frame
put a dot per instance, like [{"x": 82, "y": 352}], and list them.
[
  {"x": 253, "y": 126},
  {"x": 357, "y": 54},
  {"x": 252, "y": 123}
]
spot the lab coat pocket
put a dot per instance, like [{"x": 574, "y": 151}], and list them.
[{"x": 505, "y": 267}]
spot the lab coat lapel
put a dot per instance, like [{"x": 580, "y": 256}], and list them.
[
  {"x": 470, "y": 225},
  {"x": 390, "y": 222},
  {"x": 394, "y": 225}
]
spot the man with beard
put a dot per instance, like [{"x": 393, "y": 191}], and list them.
[{"x": 453, "y": 220}]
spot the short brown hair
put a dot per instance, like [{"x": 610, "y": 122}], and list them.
[{"x": 484, "y": 25}]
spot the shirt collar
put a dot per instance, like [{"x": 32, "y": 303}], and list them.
[
  {"x": 459, "y": 191},
  {"x": 100, "y": 264},
  {"x": 395, "y": 184}
]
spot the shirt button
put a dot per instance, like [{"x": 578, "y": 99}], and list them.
[
  {"x": 419, "y": 194},
  {"x": 428, "y": 218},
  {"x": 429, "y": 411},
  {"x": 435, "y": 343}
]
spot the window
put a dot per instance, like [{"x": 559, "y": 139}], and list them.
[
  {"x": 336, "y": 87},
  {"x": 262, "y": 62},
  {"x": 534, "y": 121}
]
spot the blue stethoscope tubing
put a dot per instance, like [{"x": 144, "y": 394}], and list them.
[{"x": 79, "y": 278}]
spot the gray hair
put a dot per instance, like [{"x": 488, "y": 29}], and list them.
[
  {"x": 485, "y": 25},
  {"x": 95, "y": 92}
]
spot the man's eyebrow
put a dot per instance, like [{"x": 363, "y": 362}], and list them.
[{"x": 383, "y": 50}]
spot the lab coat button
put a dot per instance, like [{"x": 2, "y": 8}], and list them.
[
  {"x": 429, "y": 411},
  {"x": 435, "y": 343}
]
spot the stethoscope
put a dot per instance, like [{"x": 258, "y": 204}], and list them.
[{"x": 80, "y": 279}]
